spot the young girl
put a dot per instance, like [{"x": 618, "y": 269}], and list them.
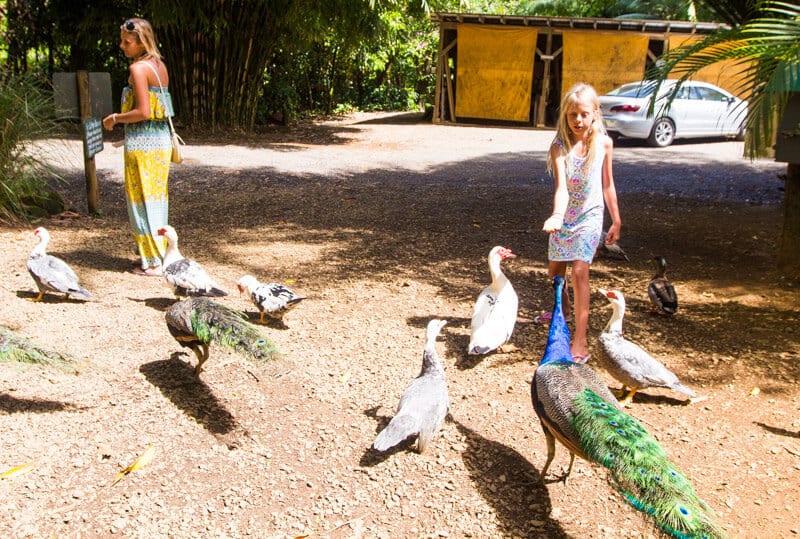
[
  {"x": 148, "y": 144},
  {"x": 580, "y": 161}
]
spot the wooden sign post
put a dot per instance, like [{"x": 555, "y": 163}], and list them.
[{"x": 92, "y": 141}]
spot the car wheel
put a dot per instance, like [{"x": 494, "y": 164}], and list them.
[{"x": 662, "y": 134}]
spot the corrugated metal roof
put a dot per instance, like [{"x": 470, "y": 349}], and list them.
[{"x": 630, "y": 25}]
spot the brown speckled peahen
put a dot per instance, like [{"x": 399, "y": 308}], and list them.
[{"x": 576, "y": 408}]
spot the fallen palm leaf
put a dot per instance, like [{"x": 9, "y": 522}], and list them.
[
  {"x": 17, "y": 470},
  {"x": 143, "y": 460}
]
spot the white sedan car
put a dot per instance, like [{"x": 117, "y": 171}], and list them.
[{"x": 698, "y": 110}]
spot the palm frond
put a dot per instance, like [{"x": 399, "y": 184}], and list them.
[{"x": 765, "y": 52}]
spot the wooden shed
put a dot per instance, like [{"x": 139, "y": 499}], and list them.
[{"x": 502, "y": 69}]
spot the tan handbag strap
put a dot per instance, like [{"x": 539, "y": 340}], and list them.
[{"x": 163, "y": 93}]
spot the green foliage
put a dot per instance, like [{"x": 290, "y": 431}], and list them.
[
  {"x": 235, "y": 63},
  {"x": 26, "y": 114},
  {"x": 382, "y": 58},
  {"x": 640, "y": 9}
]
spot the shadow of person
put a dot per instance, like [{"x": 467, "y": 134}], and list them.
[{"x": 511, "y": 485}]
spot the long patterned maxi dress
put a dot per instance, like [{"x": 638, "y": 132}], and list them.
[
  {"x": 583, "y": 221},
  {"x": 148, "y": 149}
]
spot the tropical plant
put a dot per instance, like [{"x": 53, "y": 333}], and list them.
[
  {"x": 26, "y": 112},
  {"x": 763, "y": 43},
  {"x": 640, "y": 9}
]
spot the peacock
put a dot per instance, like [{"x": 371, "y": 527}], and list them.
[
  {"x": 19, "y": 349},
  {"x": 424, "y": 404},
  {"x": 662, "y": 294},
  {"x": 196, "y": 322},
  {"x": 576, "y": 408}
]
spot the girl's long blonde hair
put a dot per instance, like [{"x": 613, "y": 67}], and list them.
[
  {"x": 143, "y": 31},
  {"x": 579, "y": 93}
]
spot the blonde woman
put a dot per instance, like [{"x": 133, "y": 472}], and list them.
[
  {"x": 580, "y": 161},
  {"x": 148, "y": 145}
]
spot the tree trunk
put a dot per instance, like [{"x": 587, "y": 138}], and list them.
[{"x": 789, "y": 250}]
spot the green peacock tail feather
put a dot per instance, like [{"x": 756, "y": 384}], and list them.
[
  {"x": 214, "y": 322},
  {"x": 18, "y": 349},
  {"x": 641, "y": 469}
]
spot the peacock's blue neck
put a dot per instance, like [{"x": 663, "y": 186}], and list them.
[{"x": 558, "y": 348}]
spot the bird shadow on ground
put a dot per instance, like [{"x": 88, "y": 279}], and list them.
[
  {"x": 49, "y": 297},
  {"x": 645, "y": 398},
  {"x": 176, "y": 380},
  {"x": 272, "y": 323},
  {"x": 777, "y": 430},
  {"x": 158, "y": 304},
  {"x": 511, "y": 485},
  {"x": 372, "y": 457},
  {"x": 12, "y": 405}
]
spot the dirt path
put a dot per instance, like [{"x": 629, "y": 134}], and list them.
[{"x": 384, "y": 223}]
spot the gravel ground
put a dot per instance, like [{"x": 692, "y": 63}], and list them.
[{"x": 385, "y": 222}]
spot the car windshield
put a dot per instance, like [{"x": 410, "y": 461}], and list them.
[{"x": 634, "y": 89}]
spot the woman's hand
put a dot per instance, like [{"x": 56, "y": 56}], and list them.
[
  {"x": 553, "y": 223},
  {"x": 109, "y": 122}
]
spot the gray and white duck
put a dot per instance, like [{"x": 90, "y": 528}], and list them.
[
  {"x": 272, "y": 299},
  {"x": 185, "y": 275},
  {"x": 628, "y": 362},
  {"x": 425, "y": 402},
  {"x": 52, "y": 274}
]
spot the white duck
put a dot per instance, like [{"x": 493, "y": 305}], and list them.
[
  {"x": 186, "y": 276},
  {"x": 629, "y": 363},
  {"x": 51, "y": 273},
  {"x": 272, "y": 299},
  {"x": 495, "y": 310}
]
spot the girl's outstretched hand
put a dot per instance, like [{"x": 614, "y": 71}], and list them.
[{"x": 553, "y": 223}]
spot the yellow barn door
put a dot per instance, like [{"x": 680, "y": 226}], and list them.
[{"x": 495, "y": 72}]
